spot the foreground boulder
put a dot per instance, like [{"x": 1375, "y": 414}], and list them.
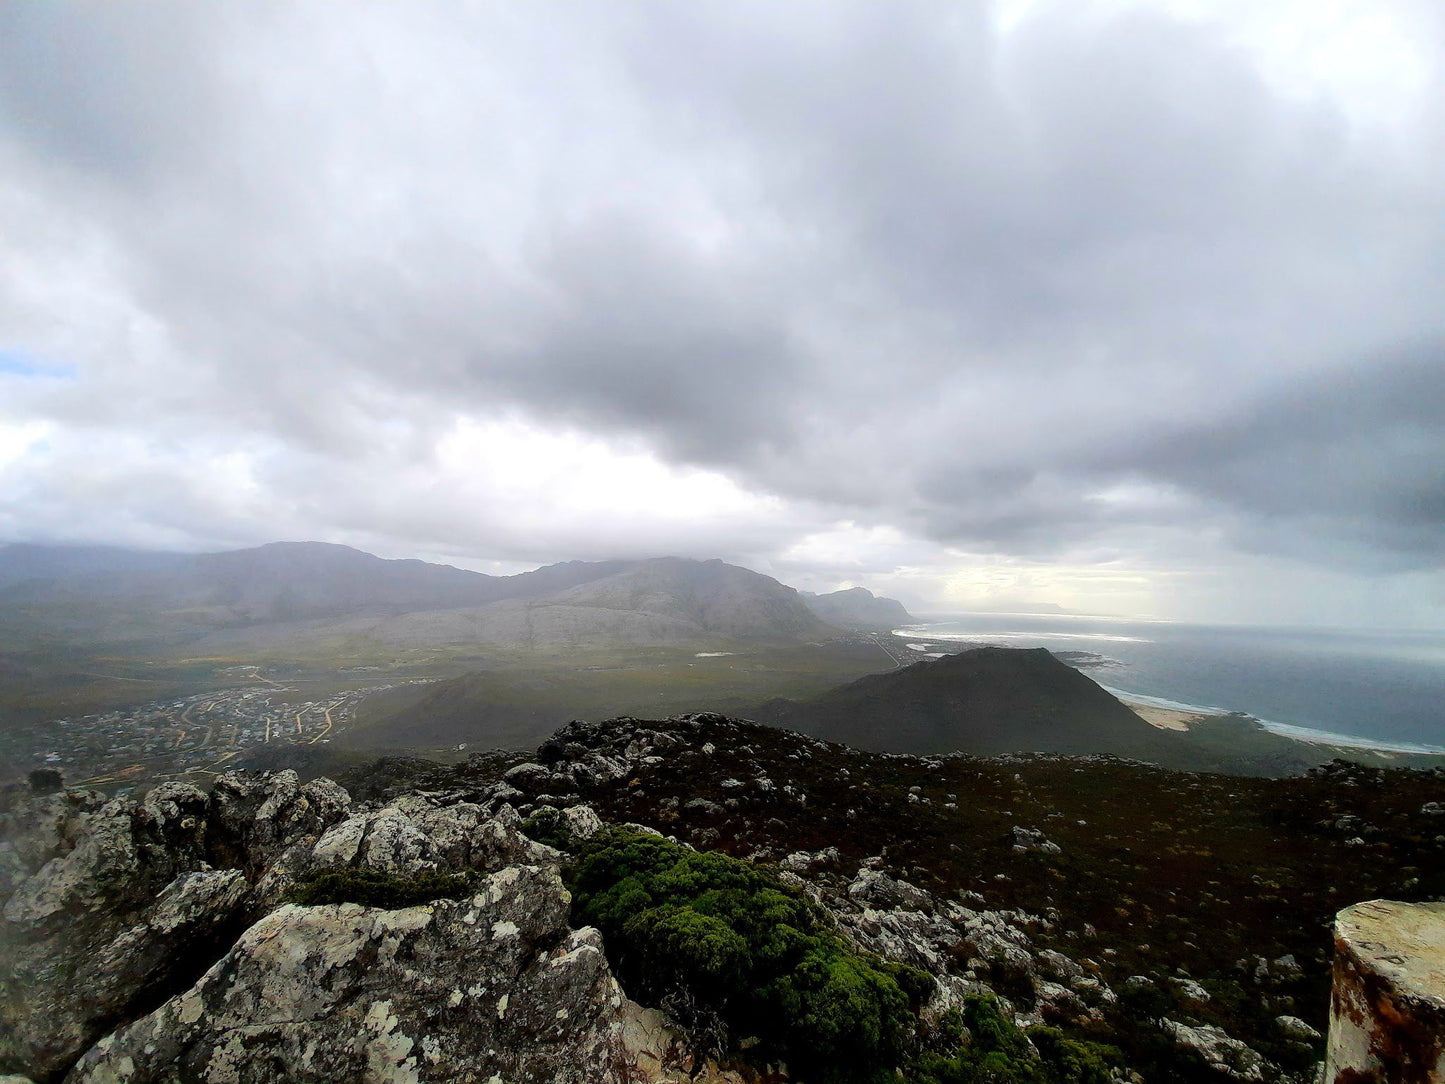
[
  {"x": 493, "y": 986},
  {"x": 1387, "y": 1005},
  {"x": 151, "y": 939},
  {"x": 115, "y": 905},
  {"x": 123, "y": 909}
]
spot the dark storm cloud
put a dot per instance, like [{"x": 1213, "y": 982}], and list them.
[
  {"x": 1034, "y": 291},
  {"x": 1354, "y": 457}
]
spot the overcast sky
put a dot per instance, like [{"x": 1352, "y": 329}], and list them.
[{"x": 1135, "y": 308}]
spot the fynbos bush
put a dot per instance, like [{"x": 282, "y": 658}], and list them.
[{"x": 742, "y": 955}]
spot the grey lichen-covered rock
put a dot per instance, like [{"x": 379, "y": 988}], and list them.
[
  {"x": 878, "y": 889},
  {"x": 395, "y": 845},
  {"x": 528, "y": 775},
  {"x": 1001, "y": 946},
  {"x": 491, "y": 987},
  {"x": 64, "y": 987},
  {"x": 126, "y": 906},
  {"x": 1055, "y": 965},
  {"x": 582, "y": 821},
  {"x": 255, "y": 816},
  {"x": 66, "y": 925},
  {"x": 1032, "y": 839},
  {"x": 1387, "y": 1004},
  {"x": 1224, "y": 1054},
  {"x": 1060, "y": 1005},
  {"x": 1292, "y": 1027},
  {"x": 1190, "y": 992},
  {"x": 409, "y": 836},
  {"x": 908, "y": 937},
  {"x": 34, "y": 828},
  {"x": 123, "y": 854}
]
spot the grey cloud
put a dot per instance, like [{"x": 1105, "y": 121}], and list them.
[
  {"x": 123, "y": 92},
  {"x": 877, "y": 260},
  {"x": 1355, "y": 457}
]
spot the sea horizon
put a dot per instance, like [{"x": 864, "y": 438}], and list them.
[{"x": 1372, "y": 688}]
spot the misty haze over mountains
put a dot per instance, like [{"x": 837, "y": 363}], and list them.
[
  {"x": 88, "y": 590},
  {"x": 505, "y": 659}
]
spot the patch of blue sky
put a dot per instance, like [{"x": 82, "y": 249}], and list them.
[{"x": 18, "y": 363}]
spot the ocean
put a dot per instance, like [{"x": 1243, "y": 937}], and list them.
[{"x": 1381, "y": 689}]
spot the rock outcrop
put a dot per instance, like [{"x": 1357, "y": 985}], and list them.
[
  {"x": 1387, "y": 1005},
  {"x": 123, "y": 910},
  {"x": 494, "y": 986},
  {"x": 152, "y": 939},
  {"x": 232, "y": 936}
]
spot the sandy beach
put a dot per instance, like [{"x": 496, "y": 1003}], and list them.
[
  {"x": 1181, "y": 719},
  {"x": 1166, "y": 718}
]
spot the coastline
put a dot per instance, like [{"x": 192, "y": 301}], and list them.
[
  {"x": 1116, "y": 650},
  {"x": 1165, "y": 718},
  {"x": 1170, "y": 715}
]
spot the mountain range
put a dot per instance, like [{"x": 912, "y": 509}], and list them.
[
  {"x": 314, "y": 590},
  {"x": 527, "y": 652},
  {"x": 279, "y": 582}
]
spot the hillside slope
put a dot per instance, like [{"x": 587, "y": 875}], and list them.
[
  {"x": 1141, "y": 923},
  {"x": 995, "y": 700},
  {"x": 985, "y": 702},
  {"x": 857, "y": 607},
  {"x": 113, "y": 593},
  {"x": 715, "y": 598}
]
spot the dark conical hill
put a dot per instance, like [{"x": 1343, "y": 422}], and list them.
[{"x": 985, "y": 702}]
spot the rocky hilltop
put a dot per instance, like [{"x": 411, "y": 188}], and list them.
[{"x": 703, "y": 897}]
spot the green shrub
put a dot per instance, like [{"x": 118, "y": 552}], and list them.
[
  {"x": 980, "y": 1045},
  {"x": 372, "y": 888},
  {"x": 46, "y": 781},
  {"x": 744, "y": 956},
  {"x": 548, "y": 826},
  {"x": 1069, "y": 1060},
  {"x": 1146, "y": 1002}
]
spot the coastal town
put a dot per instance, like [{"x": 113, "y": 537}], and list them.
[{"x": 198, "y": 735}]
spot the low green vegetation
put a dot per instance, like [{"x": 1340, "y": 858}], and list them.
[
  {"x": 548, "y": 826},
  {"x": 980, "y": 1045},
  {"x": 740, "y": 959},
  {"x": 373, "y": 888}
]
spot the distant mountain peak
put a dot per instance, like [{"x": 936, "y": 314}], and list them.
[{"x": 857, "y": 607}]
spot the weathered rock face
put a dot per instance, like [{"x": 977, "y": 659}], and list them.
[
  {"x": 1387, "y": 1006},
  {"x": 115, "y": 905},
  {"x": 126, "y": 911},
  {"x": 118, "y": 917},
  {"x": 1226, "y": 1056},
  {"x": 38, "y": 827},
  {"x": 254, "y": 816},
  {"x": 495, "y": 986}
]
